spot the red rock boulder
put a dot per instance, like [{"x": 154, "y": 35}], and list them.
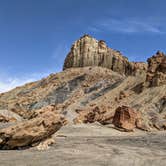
[
  {"x": 29, "y": 132},
  {"x": 125, "y": 118},
  {"x": 95, "y": 114}
]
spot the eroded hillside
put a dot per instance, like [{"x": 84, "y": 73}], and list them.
[{"x": 98, "y": 84}]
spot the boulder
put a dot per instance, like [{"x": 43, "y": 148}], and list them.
[
  {"x": 125, "y": 118},
  {"x": 95, "y": 114},
  {"x": 27, "y": 133}
]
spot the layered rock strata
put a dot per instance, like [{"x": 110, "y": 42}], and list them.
[{"x": 88, "y": 51}]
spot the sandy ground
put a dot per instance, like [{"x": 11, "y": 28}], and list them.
[{"x": 94, "y": 145}]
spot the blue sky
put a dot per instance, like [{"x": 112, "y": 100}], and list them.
[{"x": 36, "y": 35}]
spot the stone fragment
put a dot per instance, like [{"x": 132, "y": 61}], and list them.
[
  {"x": 45, "y": 145},
  {"x": 5, "y": 119},
  {"x": 26, "y": 133},
  {"x": 125, "y": 118},
  {"x": 92, "y": 115}
]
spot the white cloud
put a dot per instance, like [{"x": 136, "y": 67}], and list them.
[
  {"x": 8, "y": 82},
  {"x": 129, "y": 25},
  {"x": 6, "y": 85}
]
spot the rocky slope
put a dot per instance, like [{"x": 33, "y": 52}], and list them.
[
  {"x": 98, "y": 84},
  {"x": 61, "y": 88}
]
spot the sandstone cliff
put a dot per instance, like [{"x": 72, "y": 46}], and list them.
[
  {"x": 88, "y": 51},
  {"x": 156, "y": 74}
]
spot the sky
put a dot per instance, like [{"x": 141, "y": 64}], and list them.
[{"x": 36, "y": 35}]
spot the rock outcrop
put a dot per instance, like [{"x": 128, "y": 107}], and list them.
[
  {"x": 125, "y": 118},
  {"x": 88, "y": 51},
  {"x": 61, "y": 88},
  {"x": 92, "y": 115},
  {"x": 9, "y": 116},
  {"x": 25, "y": 134},
  {"x": 5, "y": 119},
  {"x": 156, "y": 74}
]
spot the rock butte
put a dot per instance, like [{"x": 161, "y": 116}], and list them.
[{"x": 88, "y": 51}]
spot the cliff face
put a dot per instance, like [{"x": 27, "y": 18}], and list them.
[
  {"x": 88, "y": 51},
  {"x": 156, "y": 74}
]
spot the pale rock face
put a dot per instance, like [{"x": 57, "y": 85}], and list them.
[{"x": 88, "y": 51}]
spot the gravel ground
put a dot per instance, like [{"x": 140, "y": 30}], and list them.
[{"x": 94, "y": 145}]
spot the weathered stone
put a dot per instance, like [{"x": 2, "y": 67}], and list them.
[
  {"x": 27, "y": 133},
  {"x": 122, "y": 95},
  {"x": 125, "y": 118},
  {"x": 92, "y": 115},
  {"x": 156, "y": 74},
  {"x": 44, "y": 145},
  {"x": 88, "y": 51},
  {"x": 9, "y": 116},
  {"x": 5, "y": 119},
  {"x": 16, "y": 108},
  {"x": 39, "y": 112}
]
